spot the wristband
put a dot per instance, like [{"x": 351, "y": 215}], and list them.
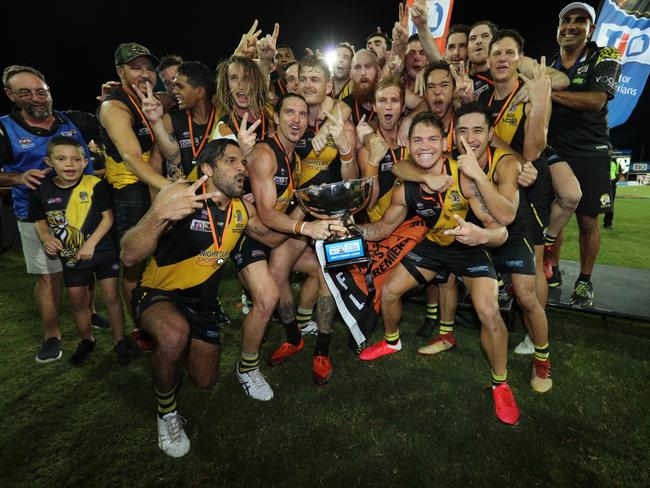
[
  {"x": 301, "y": 226},
  {"x": 345, "y": 153},
  {"x": 347, "y": 157},
  {"x": 295, "y": 224}
]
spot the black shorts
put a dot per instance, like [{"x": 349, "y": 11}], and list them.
[
  {"x": 471, "y": 262},
  {"x": 250, "y": 251},
  {"x": 540, "y": 197},
  {"x": 203, "y": 324},
  {"x": 516, "y": 256},
  {"x": 88, "y": 276},
  {"x": 129, "y": 206},
  {"x": 593, "y": 175}
]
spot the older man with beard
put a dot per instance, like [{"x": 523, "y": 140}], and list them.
[
  {"x": 24, "y": 134},
  {"x": 364, "y": 74}
]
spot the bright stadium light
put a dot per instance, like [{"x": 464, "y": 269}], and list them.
[{"x": 330, "y": 58}]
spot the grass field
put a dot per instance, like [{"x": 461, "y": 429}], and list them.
[
  {"x": 399, "y": 422},
  {"x": 625, "y": 243}
]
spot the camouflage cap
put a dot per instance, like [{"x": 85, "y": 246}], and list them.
[{"x": 127, "y": 52}]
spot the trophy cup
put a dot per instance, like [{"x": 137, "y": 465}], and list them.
[{"x": 339, "y": 200}]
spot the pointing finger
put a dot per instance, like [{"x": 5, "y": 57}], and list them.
[
  {"x": 149, "y": 90},
  {"x": 138, "y": 92},
  {"x": 198, "y": 183},
  {"x": 468, "y": 149},
  {"x": 460, "y": 221},
  {"x": 276, "y": 31}
]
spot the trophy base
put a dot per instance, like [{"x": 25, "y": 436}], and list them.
[{"x": 340, "y": 253}]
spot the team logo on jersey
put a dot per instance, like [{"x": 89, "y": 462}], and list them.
[
  {"x": 605, "y": 200},
  {"x": 455, "y": 197},
  {"x": 25, "y": 143},
  {"x": 582, "y": 69},
  {"x": 200, "y": 225},
  {"x": 50, "y": 201},
  {"x": 71, "y": 237},
  {"x": 144, "y": 131},
  {"x": 387, "y": 166},
  {"x": 239, "y": 217},
  {"x": 83, "y": 196}
]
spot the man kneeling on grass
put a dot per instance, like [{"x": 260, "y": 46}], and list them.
[
  {"x": 73, "y": 219},
  {"x": 190, "y": 236}
]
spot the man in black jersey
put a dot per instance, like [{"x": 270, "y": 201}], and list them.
[
  {"x": 181, "y": 134},
  {"x": 380, "y": 44},
  {"x": 190, "y": 236},
  {"x": 133, "y": 163},
  {"x": 364, "y": 75},
  {"x": 283, "y": 58},
  {"x": 456, "y": 45},
  {"x": 578, "y": 129},
  {"x": 274, "y": 172},
  {"x": 446, "y": 249},
  {"x": 341, "y": 70}
]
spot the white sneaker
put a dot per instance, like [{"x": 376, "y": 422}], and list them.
[
  {"x": 255, "y": 385},
  {"x": 310, "y": 328},
  {"x": 172, "y": 439},
  {"x": 525, "y": 347}
]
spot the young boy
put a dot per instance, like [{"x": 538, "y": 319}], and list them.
[{"x": 73, "y": 217}]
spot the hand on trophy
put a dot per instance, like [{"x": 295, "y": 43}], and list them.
[{"x": 323, "y": 229}]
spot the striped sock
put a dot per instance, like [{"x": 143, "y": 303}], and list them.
[
  {"x": 166, "y": 401},
  {"x": 499, "y": 379},
  {"x": 446, "y": 327},
  {"x": 248, "y": 362},
  {"x": 303, "y": 316},
  {"x": 542, "y": 353},
  {"x": 432, "y": 311},
  {"x": 392, "y": 339}
]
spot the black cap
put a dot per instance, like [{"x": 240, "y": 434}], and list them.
[{"x": 127, "y": 52}]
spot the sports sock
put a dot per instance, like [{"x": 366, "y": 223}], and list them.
[
  {"x": 542, "y": 353},
  {"x": 303, "y": 316},
  {"x": 293, "y": 332},
  {"x": 584, "y": 277},
  {"x": 499, "y": 379},
  {"x": 446, "y": 327},
  {"x": 432, "y": 311},
  {"x": 166, "y": 401},
  {"x": 392, "y": 338},
  {"x": 322, "y": 344},
  {"x": 248, "y": 362}
]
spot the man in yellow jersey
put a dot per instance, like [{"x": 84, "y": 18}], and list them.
[
  {"x": 447, "y": 249},
  {"x": 274, "y": 172},
  {"x": 341, "y": 70},
  {"x": 190, "y": 236},
  {"x": 131, "y": 155}
]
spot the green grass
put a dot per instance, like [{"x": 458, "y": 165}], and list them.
[
  {"x": 402, "y": 421},
  {"x": 626, "y": 243}
]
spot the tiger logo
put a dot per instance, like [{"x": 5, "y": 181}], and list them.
[{"x": 71, "y": 237}]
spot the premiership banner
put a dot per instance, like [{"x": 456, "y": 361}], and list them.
[
  {"x": 625, "y": 25},
  {"x": 439, "y": 18}
]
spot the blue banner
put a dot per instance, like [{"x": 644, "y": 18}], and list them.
[{"x": 625, "y": 25}]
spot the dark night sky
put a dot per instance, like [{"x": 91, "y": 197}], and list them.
[{"x": 73, "y": 43}]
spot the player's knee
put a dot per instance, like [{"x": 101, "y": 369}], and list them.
[
  {"x": 587, "y": 223},
  {"x": 389, "y": 294},
  {"x": 527, "y": 298},
  {"x": 172, "y": 341},
  {"x": 267, "y": 301},
  {"x": 570, "y": 199},
  {"x": 489, "y": 316},
  {"x": 111, "y": 298},
  {"x": 47, "y": 281}
]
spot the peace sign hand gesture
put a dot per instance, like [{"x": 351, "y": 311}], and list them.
[
  {"x": 246, "y": 137},
  {"x": 248, "y": 44},
  {"x": 420, "y": 13},
  {"x": 400, "y": 29},
  {"x": 152, "y": 108},
  {"x": 539, "y": 87},
  {"x": 178, "y": 200},
  {"x": 464, "y": 84},
  {"x": 363, "y": 129}
]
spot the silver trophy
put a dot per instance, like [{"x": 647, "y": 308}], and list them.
[{"x": 339, "y": 200}]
